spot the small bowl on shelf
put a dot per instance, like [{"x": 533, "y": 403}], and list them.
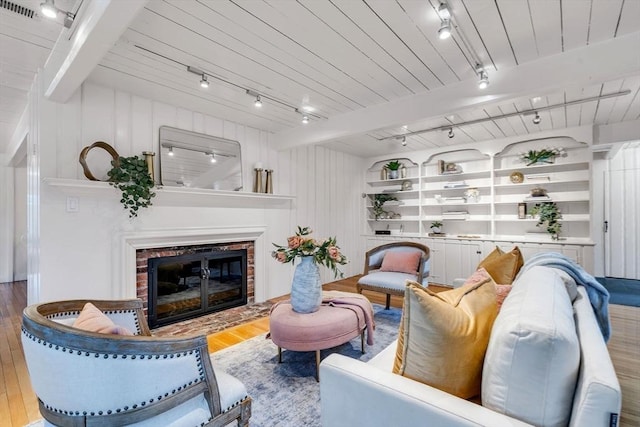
[{"x": 516, "y": 178}]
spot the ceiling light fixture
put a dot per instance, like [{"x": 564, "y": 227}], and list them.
[
  {"x": 49, "y": 9},
  {"x": 305, "y": 119},
  {"x": 170, "y": 153},
  {"x": 450, "y": 135},
  {"x": 537, "y": 119},
  {"x": 445, "y": 30},
  {"x": 516, "y": 113},
  {"x": 213, "y": 158},
  {"x": 443, "y": 11},
  {"x": 404, "y": 141},
  {"x": 258, "y": 102},
  {"x": 204, "y": 83},
  {"x": 484, "y": 77}
]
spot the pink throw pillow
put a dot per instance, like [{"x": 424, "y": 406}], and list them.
[
  {"x": 91, "y": 319},
  {"x": 501, "y": 293},
  {"x": 401, "y": 261}
]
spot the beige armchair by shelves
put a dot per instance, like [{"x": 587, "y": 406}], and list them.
[
  {"x": 388, "y": 267},
  {"x": 86, "y": 378}
]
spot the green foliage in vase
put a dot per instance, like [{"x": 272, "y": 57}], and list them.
[
  {"x": 549, "y": 217},
  {"x": 393, "y": 165},
  {"x": 436, "y": 224},
  {"x": 131, "y": 176},
  {"x": 545, "y": 155},
  {"x": 378, "y": 201}
]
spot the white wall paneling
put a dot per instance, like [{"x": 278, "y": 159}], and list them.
[
  {"x": 6, "y": 220},
  {"x": 76, "y": 248}
]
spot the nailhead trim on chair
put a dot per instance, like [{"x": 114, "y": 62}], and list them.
[{"x": 124, "y": 356}]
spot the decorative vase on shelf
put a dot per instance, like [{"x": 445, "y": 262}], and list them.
[
  {"x": 393, "y": 174},
  {"x": 306, "y": 289}
]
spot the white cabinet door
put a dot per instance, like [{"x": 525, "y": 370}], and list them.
[
  {"x": 461, "y": 259},
  {"x": 436, "y": 260}
]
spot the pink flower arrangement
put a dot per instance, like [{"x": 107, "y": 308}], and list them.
[{"x": 324, "y": 252}]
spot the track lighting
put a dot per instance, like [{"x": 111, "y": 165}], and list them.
[
  {"x": 49, "y": 9},
  {"x": 204, "y": 83},
  {"x": 170, "y": 153},
  {"x": 445, "y": 29},
  {"x": 258, "y": 102},
  {"x": 404, "y": 141},
  {"x": 484, "y": 80},
  {"x": 305, "y": 119},
  {"x": 537, "y": 119},
  {"x": 443, "y": 12},
  {"x": 213, "y": 158},
  {"x": 450, "y": 135}
]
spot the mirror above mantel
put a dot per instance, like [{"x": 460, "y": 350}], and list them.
[{"x": 196, "y": 160}]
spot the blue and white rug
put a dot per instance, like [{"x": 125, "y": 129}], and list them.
[{"x": 287, "y": 394}]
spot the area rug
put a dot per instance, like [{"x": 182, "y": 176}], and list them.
[{"x": 287, "y": 394}]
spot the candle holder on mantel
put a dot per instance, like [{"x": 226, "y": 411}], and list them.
[
  {"x": 257, "y": 182},
  {"x": 268, "y": 188},
  {"x": 148, "y": 158}
]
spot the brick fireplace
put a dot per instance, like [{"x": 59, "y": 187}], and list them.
[{"x": 160, "y": 312}]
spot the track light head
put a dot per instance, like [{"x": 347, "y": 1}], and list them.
[
  {"x": 484, "y": 80},
  {"x": 204, "y": 83},
  {"x": 443, "y": 11},
  {"x": 170, "y": 153},
  {"x": 445, "y": 30},
  {"x": 404, "y": 141},
  {"x": 537, "y": 119},
  {"x": 49, "y": 9},
  {"x": 213, "y": 158},
  {"x": 450, "y": 134},
  {"x": 305, "y": 119},
  {"x": 258, "y": 102}
]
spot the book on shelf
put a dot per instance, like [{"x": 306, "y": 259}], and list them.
[
  {"x": 537, "y": 199},
  {"x": 461, "y": 184}
]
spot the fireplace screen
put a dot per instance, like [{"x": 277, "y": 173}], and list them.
[{"x": 190, "y": 285}]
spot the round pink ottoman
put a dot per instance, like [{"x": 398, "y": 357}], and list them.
[{"x": 326, "y": 328}]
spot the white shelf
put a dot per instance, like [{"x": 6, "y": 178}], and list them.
[{"x": 169, "y": 196}]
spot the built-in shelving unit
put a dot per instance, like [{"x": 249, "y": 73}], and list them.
[{"x": 474, "y": 194}]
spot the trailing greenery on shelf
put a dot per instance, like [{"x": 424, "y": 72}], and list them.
[
  {"x": 549, "y": 217},
  {"x": 545, "y": 155},
  {"x": 131, "y": 176},
  {"x": 378, "y": 201}
]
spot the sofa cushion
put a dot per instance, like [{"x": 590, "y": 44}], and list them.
[
  {"x": 93, "y": 320},
  {"x": 503, "y": 267},
  {"x": 401, "y": 262},
  {"x": 443, "y": 336},
  {"x": 532, "y": 362}
]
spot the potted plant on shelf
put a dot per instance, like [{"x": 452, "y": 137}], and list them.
[
  {"x": 436, "y": 227},
  {"x": 545, "y": 155},
  {"x": 548, "y": 216},
  {"x": 131, "y": 176},
  {"x": 394, "y": 167},
  {"x": 378, "y": 201}
]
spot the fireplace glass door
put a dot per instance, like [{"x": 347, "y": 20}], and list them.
[{"x": 191, "y": 285}]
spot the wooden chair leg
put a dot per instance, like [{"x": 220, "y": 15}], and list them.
[
  {"x": 388, "y": 302},
  {"x": 362, "y": 341},
  {"x": 279, "y": 354},
  {"x": 317, "y": 365}
]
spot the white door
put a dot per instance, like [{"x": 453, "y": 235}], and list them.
[{"x": 622, "y": 224}]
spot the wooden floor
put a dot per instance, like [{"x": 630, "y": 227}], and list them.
[{"x": 18, "y": 404}]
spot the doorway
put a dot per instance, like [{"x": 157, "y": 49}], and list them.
[{"x": 20, "y": 221}]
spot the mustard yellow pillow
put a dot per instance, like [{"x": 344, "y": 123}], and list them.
[
  {"x": 443, "y": 336},
  {"x": 503, "y": 267}
]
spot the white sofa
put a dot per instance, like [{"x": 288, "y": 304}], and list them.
[{"x": 354, "y": 393}]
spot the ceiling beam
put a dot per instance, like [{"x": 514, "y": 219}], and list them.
[
  {"x": 100, "y": 25},
  {"x": 616, "y": 58}
]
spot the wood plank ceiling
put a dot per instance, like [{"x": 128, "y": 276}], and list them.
[{"x": 333, "y": 57}]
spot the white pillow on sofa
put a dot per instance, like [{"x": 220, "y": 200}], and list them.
[{"x": 533, "y": 358}]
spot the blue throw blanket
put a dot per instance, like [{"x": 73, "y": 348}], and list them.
[{"x": 598, "y": 294}]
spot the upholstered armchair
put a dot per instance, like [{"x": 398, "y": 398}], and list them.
[
  {"x": 388, "y": 267},
  {"x": 86, "y": 378}
]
